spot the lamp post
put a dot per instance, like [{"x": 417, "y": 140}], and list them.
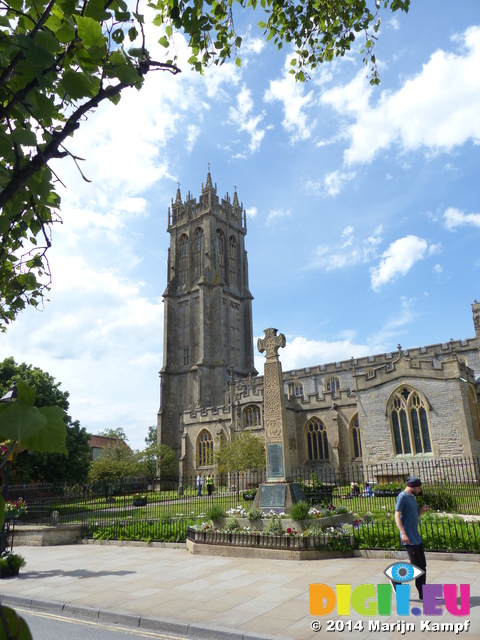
[{"x": 10, "y": 396}]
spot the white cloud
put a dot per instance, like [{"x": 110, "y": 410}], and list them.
[
  {"x": 349, "y": 252},
  {"x": 251, "y": 212},
  {"x": 436, "y": 110},
  {"x": 277, "y": 213},
  {"x": 455, "y": 218},
  {"x": 239, "y": 116},
  {"x": 335, "y": 181},
  {"x": 399, "y": 258},
  {"x": 193, "y": 131},
  {"x": 295, "y": 103}
]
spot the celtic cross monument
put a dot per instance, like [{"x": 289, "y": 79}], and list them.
[
  {"x": 279, "y": 492},
  {"x": 278, "y": 466}
]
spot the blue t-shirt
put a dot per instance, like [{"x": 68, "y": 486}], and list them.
[{"x": 407, "y": 505}]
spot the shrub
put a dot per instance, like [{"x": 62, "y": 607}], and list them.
[
  {"x": 147, "y": 531},
  {"x": 299, "y": 511},
  {"x": 438, "y": 499},
  {"x": 215, "y": 512},
  {"x": 255, "y": 513},
  {"x": 340, "y": 510},
  {"x": 274, "y": 527},
  {"x": 232, "y": 524}
]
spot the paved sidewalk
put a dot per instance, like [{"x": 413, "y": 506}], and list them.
[{"x": 215, "y": 597}]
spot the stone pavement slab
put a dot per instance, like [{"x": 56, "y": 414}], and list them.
[{"x": 216, "y": 597}]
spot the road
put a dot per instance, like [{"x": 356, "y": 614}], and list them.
[{"x": 45, "y": 626}]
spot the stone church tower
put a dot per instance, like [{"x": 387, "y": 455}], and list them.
[{"x": 208, "y": 339}]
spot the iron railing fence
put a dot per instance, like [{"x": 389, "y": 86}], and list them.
[
  {"x": 453, "y": 482},
  {"x": 445, "y": 534}
]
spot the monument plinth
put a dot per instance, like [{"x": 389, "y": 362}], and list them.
[{"x": 279, "y": 492}]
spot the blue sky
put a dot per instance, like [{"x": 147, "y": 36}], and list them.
[{"x": 362, "y": 205}]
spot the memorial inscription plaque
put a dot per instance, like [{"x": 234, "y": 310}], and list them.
[
  {"x": 273, "y": 496},
  {"x": 275, "y": 460}
]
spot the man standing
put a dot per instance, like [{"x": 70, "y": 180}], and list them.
[
  {"x": 209, "y": 483},
  {"x": 199, "y": 485},
  {"x": 406, "y": 519}
]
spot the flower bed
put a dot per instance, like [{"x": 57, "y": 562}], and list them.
[{"x": 293, "y": 540}]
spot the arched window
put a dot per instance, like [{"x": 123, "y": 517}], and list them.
[
  {"x": 356, "y": 439},
  {"x": 332, "y": 384},
  {"x": 204, "y": 448},
  {"x": 251, "y": 416},
  {"x": 316, "y": 439},
  {"x": 473, "y": 405},
  {"x": 221, "y": 253},
  {"x": 183, "y": 260},
  {"x": 198, "y": 253},
  {"x": 409, "y": 421},
  {"x": 233, "y": 261}
]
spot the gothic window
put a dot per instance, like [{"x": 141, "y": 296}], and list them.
[
  {"x": 251, "y": 416},
  {"x": 316, "y": 440},
  {"x": 356, "y": 437},
  {"x": 186, "y": 356},
  {"x": 204, "y": 448},
  {"x": 183, "y": 260},
  {"x": 473, "y": 405},
  {"x": 409, "y": 421},
  {"x": 233, "y": 261},
  {"x": 332, "y": 384},
  {"x": 296, "y": 389},
  {"x": 198, "y": 253},
  {"x": 221, "y": 253}
]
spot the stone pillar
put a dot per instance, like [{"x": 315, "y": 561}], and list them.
[{"x": 278, "y": 463}]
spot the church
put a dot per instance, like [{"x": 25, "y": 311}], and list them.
[{"x": 417, "y": 404}]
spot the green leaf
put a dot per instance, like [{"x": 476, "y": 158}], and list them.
[
  {"x": 90, "y": 31},
  {"x": 25, "y": 137},
  {"x": 50, "y": 437},
  {"x": 18, "y": 628},
  {"x": 164, "y": 42},
  {"x": 36, "y": 429},
  {"x": 77, "y": 85},
  {"x": 118, "y": 36}
]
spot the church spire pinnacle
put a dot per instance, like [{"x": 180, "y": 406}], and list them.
[{"x": 178, "y": 198}]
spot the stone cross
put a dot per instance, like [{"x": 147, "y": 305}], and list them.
[{"x": 275, "y": 416}]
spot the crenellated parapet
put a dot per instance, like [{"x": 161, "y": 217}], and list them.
[
  {"x": 405, "y": 367},
  {"x": 438, "y": 351},
  {"x": 325, "y": 400},
  {"x": 207, "y": 414}
]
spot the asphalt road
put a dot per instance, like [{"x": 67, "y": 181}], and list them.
[{"x": 48, "y": 626}]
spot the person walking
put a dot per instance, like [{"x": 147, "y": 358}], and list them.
[
  {"x": 209, "y": 483},
  {"x": 199, "y": 485},
  {"x": 406, "y": 519}
]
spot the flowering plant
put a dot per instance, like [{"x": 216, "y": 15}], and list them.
[
  {"x": 237, "y": 512},
  {"x": 10, "y": 560},
  {"x": 15, "y": 507},
  {"x": 139, "y": 496}
]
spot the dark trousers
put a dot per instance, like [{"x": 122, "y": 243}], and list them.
[{"x": 416, "y": 555}]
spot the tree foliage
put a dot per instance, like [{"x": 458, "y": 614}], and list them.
[
  {"x": 117, "y": 461},
  {"x": 244, "y": 451},
  {"x": 60, "y": 59},
  {"x": 42, "y": 465}
]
